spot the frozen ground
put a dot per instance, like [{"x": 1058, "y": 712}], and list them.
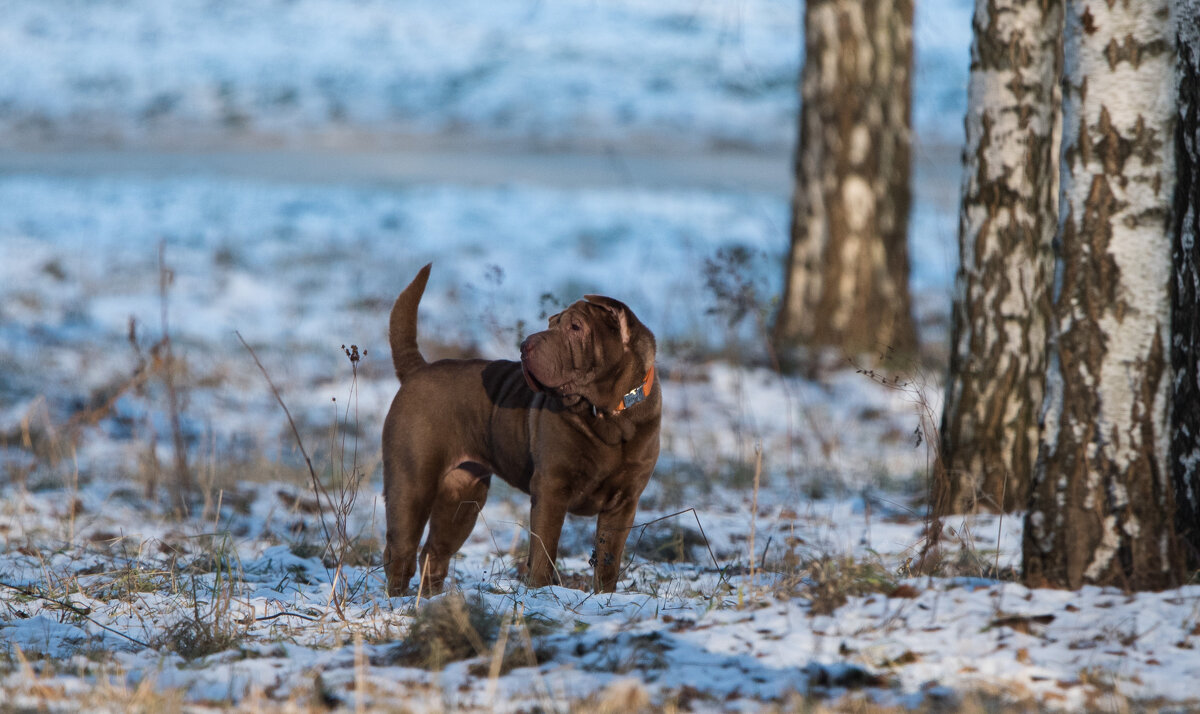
[
  {"x": 108, "y": 601},
  {"x": 698, "y": 632}
]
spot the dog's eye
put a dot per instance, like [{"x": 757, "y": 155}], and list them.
[{"x": 576, "y": 327}]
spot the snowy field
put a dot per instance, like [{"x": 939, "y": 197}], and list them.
[
  {"x": 664, "y": 74},
  {"x": 773, "y": 563}
]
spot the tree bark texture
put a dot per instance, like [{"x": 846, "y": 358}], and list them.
[
  {"x": 1102, "y": 506},
  {"x": 1185, "y": 293},
  {"x": 847, "y": 273},
  {"x": 1009, "y": 213}
]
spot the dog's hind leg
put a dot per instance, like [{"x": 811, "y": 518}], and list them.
[
  {"x": 461, "y": 495},
  {"x": 409, "y": 491}
]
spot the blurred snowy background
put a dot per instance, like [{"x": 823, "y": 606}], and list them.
[
  {"x": 676, "y": 74},
  {"x": 301, "y": 158},
  {"x": 298, "y": 160}
]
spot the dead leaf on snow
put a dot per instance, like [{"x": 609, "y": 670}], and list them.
[{"x": 1021, "y": 623}]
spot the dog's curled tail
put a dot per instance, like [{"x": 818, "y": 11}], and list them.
[{"x": 402, "y": 327}]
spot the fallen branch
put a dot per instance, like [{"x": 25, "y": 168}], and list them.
[{"x": 265, "y": 618}]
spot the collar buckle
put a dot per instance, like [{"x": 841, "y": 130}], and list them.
[{"x": 638, "y": 394}]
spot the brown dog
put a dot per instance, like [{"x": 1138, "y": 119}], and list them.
[{"x": 574, "y": 424}]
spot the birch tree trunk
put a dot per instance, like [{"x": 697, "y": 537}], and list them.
[
  {"x": 1185, "y": 297},
  {"x": 847, "y": 273},
  {"x": 1102, "y": 506},
  {"x": 1009, "y": 213}
]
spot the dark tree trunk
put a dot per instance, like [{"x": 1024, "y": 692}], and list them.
[
  {"x": 847, "y": 276},
  {"x": 1102, "y": 509},
  {"x": 989, "y": 434},
  {"x": 1185, "y": 295}
]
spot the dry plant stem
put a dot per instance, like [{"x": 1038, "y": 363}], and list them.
[
  {"x": 497, "y": 662},
  {"x": 927, "y": 433},
  {"x": 360, "y": 673},
  {"x": 333, "y": 587},
  {"x": 71, "y": 510},
  {"x": 349, "y": 482},
  {"x": 754, "y": 508},
  {"x": 1000, "y": 526},
  {"x": 473, "y": 637},
  {"x": 533, "y": 537},
  {"x": 549, "y": 701},
  {"x": 318, "y": 489},
  {"x": 316, "y": 483},
  {"x": 421, "y": 582},
  {"x": 354, "y": 395},
  {"x": 182, "y": 485},
  {"x": 91, "y": 417},
  {"x": 933, "y": 521}
]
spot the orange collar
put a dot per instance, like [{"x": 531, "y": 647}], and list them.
[{"x": 639, "y": 393}]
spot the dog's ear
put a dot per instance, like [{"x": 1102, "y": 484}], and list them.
[{"x": 625, "y": 317}]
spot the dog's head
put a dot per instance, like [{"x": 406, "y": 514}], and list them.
[{"x": 596, "y": 350}]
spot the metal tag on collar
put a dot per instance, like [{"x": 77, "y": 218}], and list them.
[{"x": 634, "y": 397}]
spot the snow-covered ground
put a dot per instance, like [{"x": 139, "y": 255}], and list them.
[
  {"x": 233, "y": 604},
  {"x": 109, "y": 601},
  {"x": 103, "y": 592},
  {"x": 669, "y": 73}
]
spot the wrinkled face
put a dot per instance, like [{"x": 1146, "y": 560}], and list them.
[{"x": 573, "y": 350}]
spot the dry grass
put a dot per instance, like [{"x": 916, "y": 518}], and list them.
[
  {"x": 826, "y": 581},
  {"x": 454, "y": 627},
  {"x": 829, "y": 582},
  {"x": 35, "y": 691},
  {"x": 448, "y": 629},
  {"x": 211, "y": 625},
  {"x": 624, "y": 696}
]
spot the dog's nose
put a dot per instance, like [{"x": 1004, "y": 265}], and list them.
[{"x": 529, "y": 343}]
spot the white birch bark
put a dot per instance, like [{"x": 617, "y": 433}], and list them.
[
  {"x": 1009, "y": 213},
  {"x": 1102, "y": 507}
]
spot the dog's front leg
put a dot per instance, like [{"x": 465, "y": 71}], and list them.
[
  {"x": 612, "y": 530},
  {"x": 546, "y": 514}
]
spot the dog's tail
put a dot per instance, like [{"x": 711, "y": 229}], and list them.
[{"x": 402, "y": 327}]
